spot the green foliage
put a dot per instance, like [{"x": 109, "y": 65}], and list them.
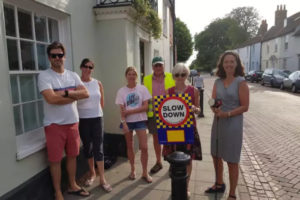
[
  {"x": 224, "y": 34},
  {"x": 219, "y": 36},
  {"x": 147, "y": 17},
  {"x": 184, "y": 41},
  {"x": 247, "y": 18}
]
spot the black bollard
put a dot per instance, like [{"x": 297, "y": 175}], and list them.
[{"x": 178, "y": 161}]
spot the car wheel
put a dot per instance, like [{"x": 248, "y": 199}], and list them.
[
  {"x": 251, "y": 80},
  {"x": 294, "y": 90},
  {"x": 272, "y": 84},
  {"x": 262, "y": 82},
  {"x": 281, "y": 86}
]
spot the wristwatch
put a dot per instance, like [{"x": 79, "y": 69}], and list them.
[{"x": 66, "y": 93}]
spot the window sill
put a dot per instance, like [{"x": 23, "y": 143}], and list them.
[{"x": 29, "y": 143}]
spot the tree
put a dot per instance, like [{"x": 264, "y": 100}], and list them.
[
  {"x": 219, "y": 36},
  {"x": 184, "y": 41},
  {"x": 224, "y": 34},
  {"x": 247, "y": 18}
]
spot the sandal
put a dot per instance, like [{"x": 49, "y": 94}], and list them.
[
  {"x": 188, "y": 194},
  {"x": 216, "y": 188},
  {"x": 89, "y": 181},
  {"x": 81, "y": 192},
  {"x": 106, "y": 187},
  {"x": 147, "y": 179},
  {"x": 156, "y": 168},
  {"x": 131, "y": 176},
  {"x": 231, "y": 197}
]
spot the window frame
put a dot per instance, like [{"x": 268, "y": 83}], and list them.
[{"x": 32, "y": 141}]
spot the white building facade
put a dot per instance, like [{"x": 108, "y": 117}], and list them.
[
  {"x": 106, "y": 35},
  {"x": 244, "y": 53}
]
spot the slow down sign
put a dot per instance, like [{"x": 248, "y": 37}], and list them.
[
  {"x": 173, "y": 111},
  {"x": 174, "y": 119}
]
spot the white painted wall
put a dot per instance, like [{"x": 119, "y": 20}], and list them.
[
  {"x": 244, "y": 54},
  {"x": 255, "y": 56},
  {"x": 267, "y": 56},
  {"x": 293, "y": 52}
]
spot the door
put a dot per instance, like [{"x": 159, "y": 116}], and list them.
[{"x": 142, "y": 60}]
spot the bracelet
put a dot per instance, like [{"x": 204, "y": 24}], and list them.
[
  {"x": 122, "y": 121},
  {"x": 229, "y": 114}
]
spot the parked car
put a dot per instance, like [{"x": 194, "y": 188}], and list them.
[
  {"x": 254, "y": 75},
  {"x": 292, "y": 82},
  {"x": 273, "y": 77}
]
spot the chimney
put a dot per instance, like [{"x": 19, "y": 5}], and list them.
[
  {"x": 263, "y": 28},
  {"x": 280, "y": 15}
]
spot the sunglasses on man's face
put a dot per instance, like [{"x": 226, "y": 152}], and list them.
[
  {"x": 54, "y": 55},
  {"x": 158, "y": 65},
  {"x": 182, "y": 75},
  {"x": 88, "y": 67}
]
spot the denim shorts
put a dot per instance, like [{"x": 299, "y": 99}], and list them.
[{"x": 136, "y": 125}]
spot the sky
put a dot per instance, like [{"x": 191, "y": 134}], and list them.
[{"x": 197, "y": 14}]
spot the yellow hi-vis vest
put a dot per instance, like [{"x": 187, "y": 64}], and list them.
[{"x": 169, "y": 82}]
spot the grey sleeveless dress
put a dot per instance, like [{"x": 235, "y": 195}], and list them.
[{"x": 228, "y": 131}]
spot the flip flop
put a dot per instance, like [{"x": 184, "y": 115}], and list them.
[
  {"x": 156, "y": 168},
  {"x": 147, "y": 179},
  {"x": 106, "y": 187},
  {"x": 89, "y": 181},
  {"x": 81, "y": 192},
  {"x": 231, "y": 197},
  {"x": 131, "y": 176}
]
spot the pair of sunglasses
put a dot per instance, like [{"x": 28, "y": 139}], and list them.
[
  {"x": 59, "y": 55},
  {"x": 158, "y": 65},
  {"x": 182, "y": 75},
  {"x": 88, "y": 67}
]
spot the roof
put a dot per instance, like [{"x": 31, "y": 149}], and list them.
[
  {"x": 292, "y": 23},
  {"x": 256, "y": 39}
]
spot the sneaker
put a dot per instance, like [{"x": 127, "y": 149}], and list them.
[{"x": 156, "y": 168}]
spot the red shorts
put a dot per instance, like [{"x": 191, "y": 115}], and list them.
[{"x": 60, "y": 137}]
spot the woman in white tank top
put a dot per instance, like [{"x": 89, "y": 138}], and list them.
[{"x": 91, "y": 124}]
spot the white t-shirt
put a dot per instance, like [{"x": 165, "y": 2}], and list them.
[
  {"x": 59, "y": 114},
  {"x": 90, "y": 107},
  {"x": 133, "y": 98}
]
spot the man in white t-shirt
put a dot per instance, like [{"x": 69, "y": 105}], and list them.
[
  {"x": 199, "y": 84},
  {"x": 61, "y": 89}
]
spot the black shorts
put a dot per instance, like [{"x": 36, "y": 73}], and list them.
[{"x": 92, "y": 135}]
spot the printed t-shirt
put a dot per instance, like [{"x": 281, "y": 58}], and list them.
[{"x": 133, "y": 98}]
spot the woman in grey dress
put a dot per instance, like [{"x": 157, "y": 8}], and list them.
[{"x": 227, "y": 129}]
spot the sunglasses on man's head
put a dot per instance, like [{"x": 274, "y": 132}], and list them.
[
  {"x": 88, "y": 67},
  {"x": 182, "y": 75},
  {"x": 59, "y": 55}
]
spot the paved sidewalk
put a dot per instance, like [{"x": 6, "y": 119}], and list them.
[{"x": 202, "y": 174}]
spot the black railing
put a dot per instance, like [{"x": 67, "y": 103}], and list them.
[
  {"x": 112, "y": 3},
  {"x": 116, "y": 3}
]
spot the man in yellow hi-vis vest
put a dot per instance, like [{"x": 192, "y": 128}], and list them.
[{"x": 157, "y": 84}]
